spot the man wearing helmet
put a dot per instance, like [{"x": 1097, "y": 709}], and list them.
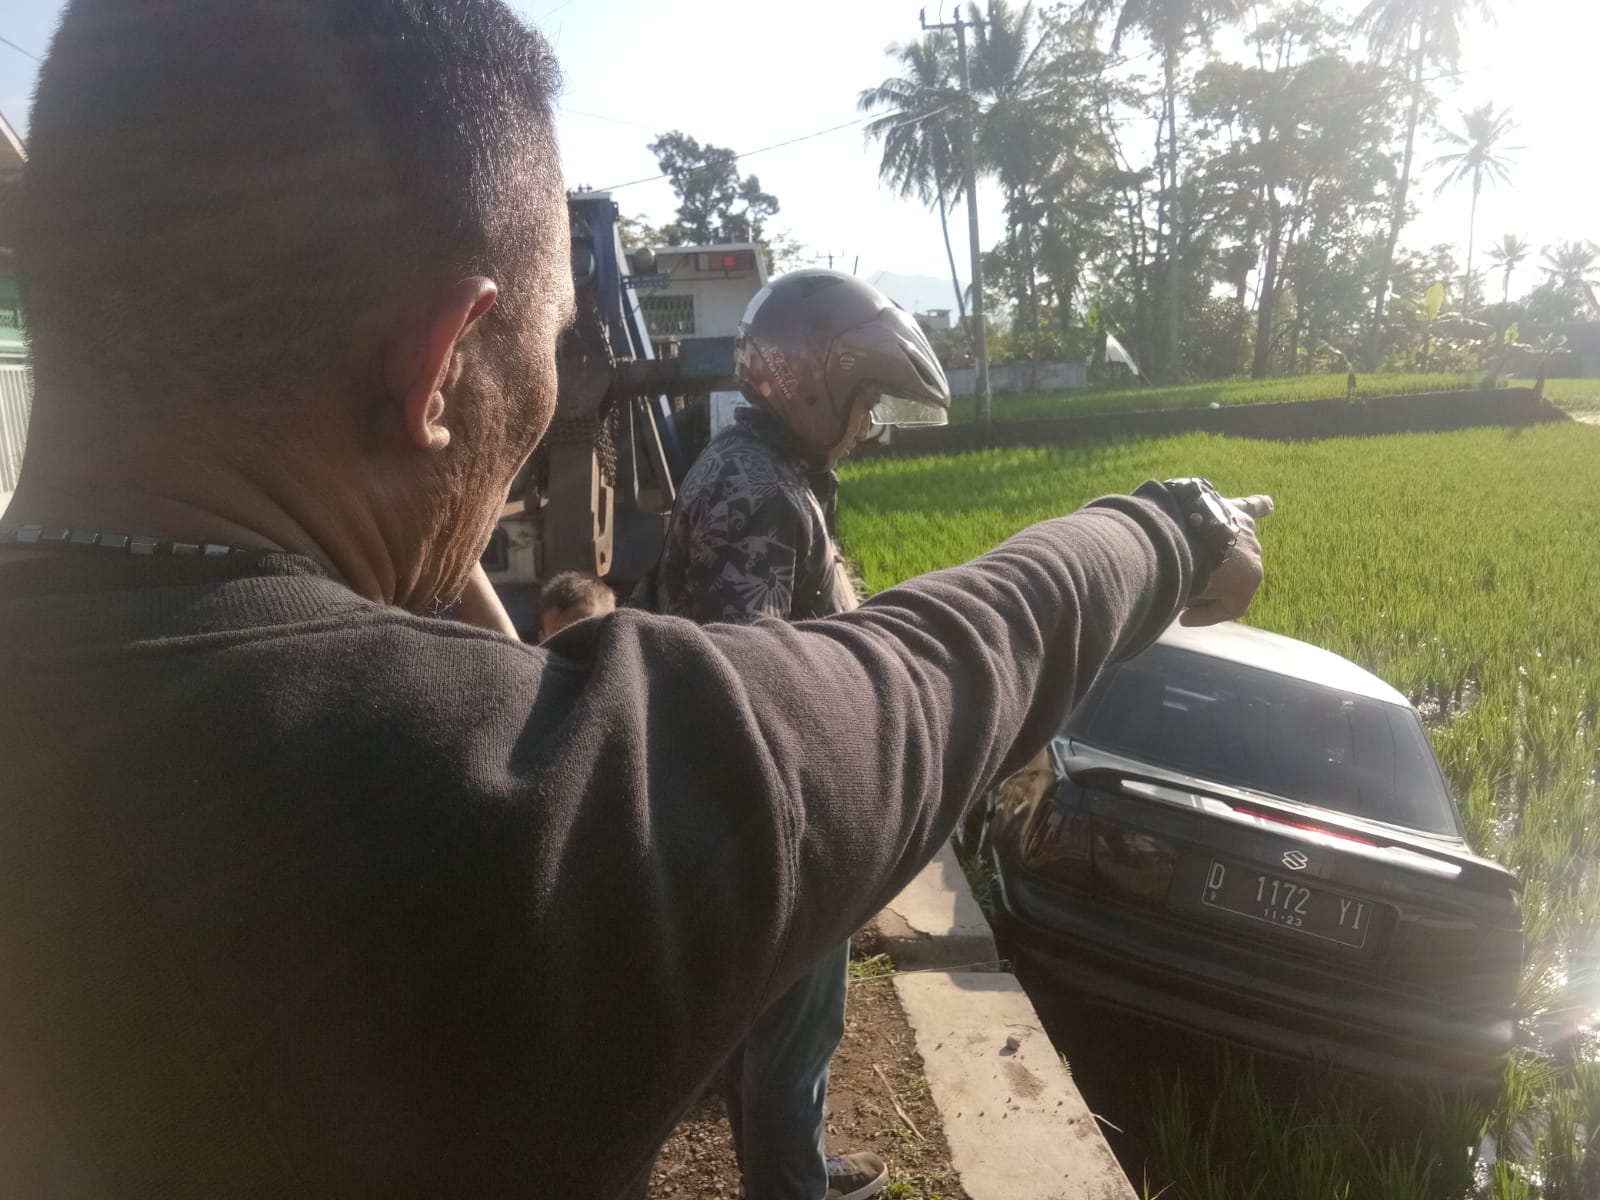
[{"x": 822, "y": 357}]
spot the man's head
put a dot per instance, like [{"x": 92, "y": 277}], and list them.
[
  {"x": 571, "y": 597},
  {"x": 318, "y": 245},
  {"x": 828, "y": 355}
]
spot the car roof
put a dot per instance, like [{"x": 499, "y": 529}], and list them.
[{"x": 1283, "y": 656}]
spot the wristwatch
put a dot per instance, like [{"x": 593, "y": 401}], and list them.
[{"x": 1208, "y": 520}]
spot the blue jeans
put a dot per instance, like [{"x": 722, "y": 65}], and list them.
[{"x": 776, "y": 1086}]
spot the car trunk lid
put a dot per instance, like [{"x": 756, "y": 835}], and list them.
[{"x": 1413, "y": 911}]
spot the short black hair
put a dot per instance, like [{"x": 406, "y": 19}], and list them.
[
  {"x": 216, "y": 188},
  {"x": 570, "y": 588}
]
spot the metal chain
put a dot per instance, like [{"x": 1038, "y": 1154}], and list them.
[{"x": 142, "y": 545}]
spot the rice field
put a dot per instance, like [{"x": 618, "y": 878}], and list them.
[
  {"x": 1140, "y": 397},
  {"x": 1574, "y": 395},
  {"x": 1462, "y": 567}
]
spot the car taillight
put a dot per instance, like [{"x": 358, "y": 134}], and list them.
[
  {"x": 1131, "y": 864},
  {"x": 1057, "y": 846}
]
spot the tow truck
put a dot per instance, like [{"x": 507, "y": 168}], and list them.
[{"x": 632, "y": 413}]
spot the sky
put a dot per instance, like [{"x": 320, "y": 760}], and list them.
[{"x": 748, "y": 74}]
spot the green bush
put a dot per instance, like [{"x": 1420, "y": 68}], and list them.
[{"x": 1140, "y": 398}]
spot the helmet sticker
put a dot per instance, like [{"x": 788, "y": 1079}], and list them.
[{"x": 778, "y": 367}]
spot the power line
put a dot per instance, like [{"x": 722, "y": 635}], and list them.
[
  {"x": 1111, "y": 120},
  {"x": 805, "y": 137},
  {"x": 20, "y": 50},
  {"x": 594, "y": 116},
  {"x": 545, "y": 16}
]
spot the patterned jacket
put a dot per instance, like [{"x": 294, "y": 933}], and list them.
[{"x": 753, "y": 533}]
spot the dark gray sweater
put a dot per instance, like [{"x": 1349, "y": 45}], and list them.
[{"x": 302, "y": 896}]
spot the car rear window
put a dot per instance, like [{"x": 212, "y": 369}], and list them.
[{"x": 1257, "y": 729}]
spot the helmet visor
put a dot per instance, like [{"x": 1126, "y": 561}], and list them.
[{"x": 904, "y": 411}]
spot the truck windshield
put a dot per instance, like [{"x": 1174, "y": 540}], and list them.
[{"x": 1250, "y": 728}]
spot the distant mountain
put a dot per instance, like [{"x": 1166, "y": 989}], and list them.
[{"x": 915, "y": 293}]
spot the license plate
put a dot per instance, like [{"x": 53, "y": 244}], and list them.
[{"x": 1287, "y": 903}]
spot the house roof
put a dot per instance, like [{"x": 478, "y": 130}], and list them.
[
  {"x": 12, "y": 155},
  {"x": 717, "y": 248}
]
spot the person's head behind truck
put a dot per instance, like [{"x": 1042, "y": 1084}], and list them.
[
  {"x": 570, "y": 597},
  {"x": 830, "y": 356}
]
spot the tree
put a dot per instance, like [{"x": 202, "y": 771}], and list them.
[
  {"x": 1572, "y": 271},
  {"x": 920, "y": 130},
  {"x": 637, "y": 231},
  {"x": 1572, "y": 264},
  {"x": 1509, "y": 253},
  {"x": 1012, "y": 131},
  {"x": 1170, "y": 26},
  {"x": 1038, "y": 82},
  {"x": 1478, "y": 153},
  {"x": 1296, "y": 177},
  {"x": 1413, "y": 35},
  {"x": 714, "y": 204}
]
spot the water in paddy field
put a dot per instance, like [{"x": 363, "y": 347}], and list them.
[{"x": 1125, "y": 1066}]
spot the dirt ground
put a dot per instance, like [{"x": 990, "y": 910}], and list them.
[{"x": 698, "y": 1160}]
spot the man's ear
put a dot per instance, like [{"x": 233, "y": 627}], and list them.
[{"x": 417, "y": 370}]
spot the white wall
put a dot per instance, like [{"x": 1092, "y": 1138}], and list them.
[
  {"x": 718, "y": 303},
  {"x": 719, "y": 300},
  {"x": 16, "y": 402},
  {"x": 1021, "y": 377}
]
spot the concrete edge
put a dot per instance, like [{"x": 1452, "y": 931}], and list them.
[
  {"x": 935, "y": 922},
  {"x": 1014, "y": 1120}
]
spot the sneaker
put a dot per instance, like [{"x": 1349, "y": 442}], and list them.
[{"x": 856, "y": 1176}]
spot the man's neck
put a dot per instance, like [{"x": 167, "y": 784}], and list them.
[
  {"x": 777, "y": 435},
  {"x": 207, "y": 502}
]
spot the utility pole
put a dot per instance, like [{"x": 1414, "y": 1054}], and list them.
[{"x": 980, "y": 329}]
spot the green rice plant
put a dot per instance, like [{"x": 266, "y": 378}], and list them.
[
  {"x": 1463, "y": 568},
  {"x": 982, "y": 878},
  {"x": 1574, "y": 395},
  {"x": 1402, "y": 1172},
  {"x": 1138, "y": 397},
  {"x": 879, "y": 966},
  {"x": 1187, "y": 1151},
  {"x": 1529, "y": 1082},
  {"x": 1586, "y": 1087},
  {"x": 1251, "y": 1140},
  {"x": 1453, "y": 1126},
  {"x": 1586, "y": 1094},
  {"x": 1559, "y": 1150},
  {"x": 1508, "y": 1182}
]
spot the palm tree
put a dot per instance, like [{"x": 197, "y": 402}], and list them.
[
  {"x": 1478, "y": 153},
  {"x": 1413, "y": 35},
  {"x": 1571, "y": 264},
  {"x": 1509, "y": 253},
  {"x": 1015, "y": 127},
  {"x": 1574, "y": 267},
  {"x": 1170, "y": 25},
  {"x": 920, "y": 130}
]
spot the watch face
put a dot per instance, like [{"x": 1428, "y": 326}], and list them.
[{"x": 1217, "y": 508}]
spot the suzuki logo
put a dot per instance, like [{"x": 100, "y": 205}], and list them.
[{"x": 1295, "y": 861}]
